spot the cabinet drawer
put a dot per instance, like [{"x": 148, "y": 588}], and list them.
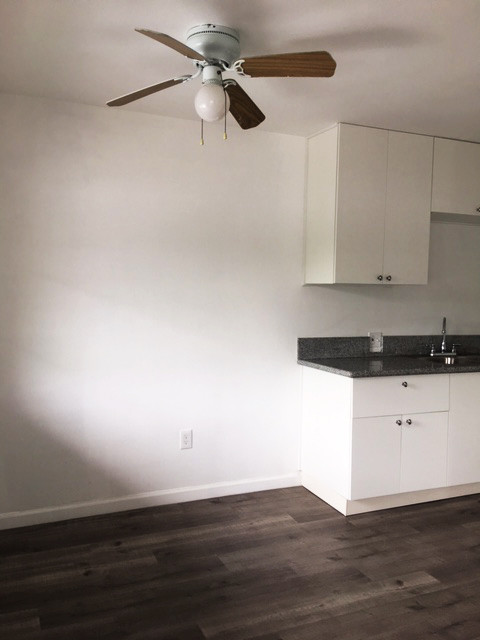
[{"x": 399, "y": 395}]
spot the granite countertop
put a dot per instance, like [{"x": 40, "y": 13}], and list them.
[
  {"x": 403, "y": 355},
  {"x": 369, "y": 366}
]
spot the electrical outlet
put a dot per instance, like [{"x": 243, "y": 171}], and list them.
[
  {"x": 186, "y": 439},
  {"x": 376, "y": 341}
]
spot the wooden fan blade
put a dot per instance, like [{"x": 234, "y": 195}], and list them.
[
  {"x": 242, "y": 107},
  {"x": 146, "y": 91},
  {"x": 311, "y": 64},
  {"x": 172, "y": 43}
]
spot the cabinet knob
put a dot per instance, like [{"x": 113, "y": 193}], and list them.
[
  {"x": 399, "y": 422},
  {"x": 404, "y": 384},
  {"x": 408, "y": 421},
  {"x": 380, "y": 278},
  {"x": 388, "y": 278},
  {"x": 478, "y": 209}
]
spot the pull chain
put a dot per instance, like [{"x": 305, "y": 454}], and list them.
[
  {"x": 202, "y": 142},
  {"x": 225, "y": 117}
]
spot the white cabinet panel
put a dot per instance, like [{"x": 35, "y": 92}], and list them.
[
  {"x": 376, "y": 447},
  {"x": 368, "y": 206},
  {"x": 362, "y": 180},
  {"x": 463, "y": 464},
  {"x": 407, "y": 216},
  {"x": 456, "y": 177},
  {"x": 398, "y": 453},
  {"x": 326, "y": 428},
  {"x": 321, "y": 204},
  {"x": 353, "y": 447},
  {"x": 424, "y": 451},
  {"x": 400, "y": 394}
]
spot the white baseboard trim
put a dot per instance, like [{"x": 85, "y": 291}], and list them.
[
  {"x": 352, "y": 507},
  {"x": 413, "y": 497},
  {"x": 140, "y": 500}
]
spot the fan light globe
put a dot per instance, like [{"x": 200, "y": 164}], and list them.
[{"x": 211, "y": 102}]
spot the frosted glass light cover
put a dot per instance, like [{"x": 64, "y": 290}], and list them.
[{"x": 210, "y": 102}]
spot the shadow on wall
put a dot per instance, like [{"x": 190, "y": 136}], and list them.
[
  {"x": 132, "y": 307},
  {"x": 79, "y": 403},
  {"x": 40, "y": 469}
]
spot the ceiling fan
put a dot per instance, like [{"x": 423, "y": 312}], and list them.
[{"x": 215, "y": 49}]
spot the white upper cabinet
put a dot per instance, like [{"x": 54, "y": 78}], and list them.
[
  {"x": 368, "y": 206},
  {"x": 456, "y": 177},
  {"x": 407, "y": 215},
  {"x": 361, "y": 189}
]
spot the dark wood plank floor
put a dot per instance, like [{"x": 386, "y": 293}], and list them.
[{"x": 275, "y": 565}]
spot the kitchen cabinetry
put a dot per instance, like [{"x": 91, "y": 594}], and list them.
[
  {"x": 397, "y": 453},
  {"x": 368, "y": 206},
  {"x": 456, "y": 177},
  {"x": 464, "y": 429},
  {"x": 399, "y": 434},
  {"x": 369, "y": 437}
]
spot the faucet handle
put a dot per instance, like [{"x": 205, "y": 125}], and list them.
[
  {"x": 432, "y": 349},
  {"x": 455, "y": 345}
]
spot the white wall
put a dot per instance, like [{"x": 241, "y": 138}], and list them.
[{"x": 148, "y": 285}]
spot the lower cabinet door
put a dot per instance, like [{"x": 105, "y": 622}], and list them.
[
  {"x": 376, "y": 448},
  {"x": 464, "y": 429},
  {"x": 424, "y": 451}
]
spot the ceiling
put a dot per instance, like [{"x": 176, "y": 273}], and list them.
[{"x": 412, "y": 65}]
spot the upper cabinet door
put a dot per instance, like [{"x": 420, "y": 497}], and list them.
[
  {"x": 407, "y": 215},
  {"x": 456, "y": 177},
  {"x": 361, "y": 186},
  {"x": 368, "y": 206}
]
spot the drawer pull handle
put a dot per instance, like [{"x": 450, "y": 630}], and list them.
[
  {"x": 408, "y": 421},
  {"x": 399, "y": 422},
  {"x": 404, "y": 384}
]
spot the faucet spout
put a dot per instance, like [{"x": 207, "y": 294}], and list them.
[{"x": 444, "y": 334}]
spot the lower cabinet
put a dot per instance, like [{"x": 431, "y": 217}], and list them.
[
  {"x": 423, "y": 463},
  {"x": 376, "y": 455},
  {"x": 464, "y": 429},
  {"x": 383, "y": 437},
  {"x": 395, "y": 454}
]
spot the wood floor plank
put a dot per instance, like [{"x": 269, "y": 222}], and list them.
[{"x": 272, "y": 565}]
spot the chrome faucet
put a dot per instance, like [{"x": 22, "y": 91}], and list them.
[
  {"x": 444, "y": 334},
  {"x": 443, "y": 349}
]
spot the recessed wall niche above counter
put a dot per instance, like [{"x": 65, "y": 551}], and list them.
[
  {"x": 456, "y": 179},
  {"x": 368, "y": 206}
]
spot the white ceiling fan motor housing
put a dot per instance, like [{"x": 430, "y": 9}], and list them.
[{"x": 215, "y": 42}]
